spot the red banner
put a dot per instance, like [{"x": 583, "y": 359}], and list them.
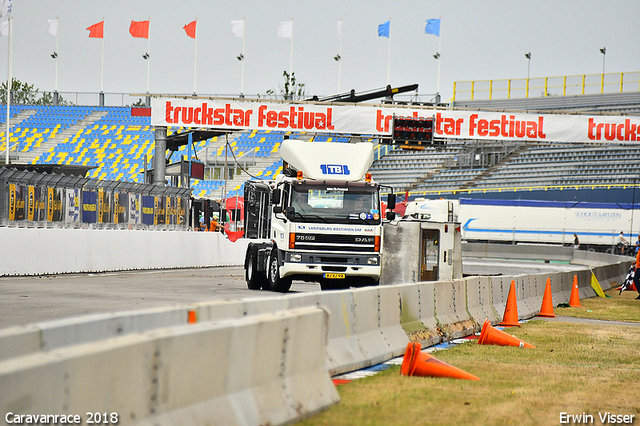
[{"x": 368, "y": 119}]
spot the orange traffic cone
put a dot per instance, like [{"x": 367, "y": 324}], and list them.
[
  {"x": 416, "y": 363},
  {"x": 574, "y": 300},
  {"x": 546, "y": 310},
  {"x": 493, "y": 336},
  {"x": 510, "y": 318}
]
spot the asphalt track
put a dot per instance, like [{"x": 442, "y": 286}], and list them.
[{"x": 25, "y": 300}]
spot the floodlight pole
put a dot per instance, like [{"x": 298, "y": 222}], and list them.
[{"x": 9, "y": 81}]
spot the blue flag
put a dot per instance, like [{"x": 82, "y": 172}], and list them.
[
  {"x": 383, "y": 29},
  {"x": 433, "y": 27}
]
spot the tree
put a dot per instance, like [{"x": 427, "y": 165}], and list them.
[
  {"x": 292, "y": 90},
  {"x": 26, "y": 94}
]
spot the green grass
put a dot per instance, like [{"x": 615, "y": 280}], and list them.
[
  {"x": 576, "y": 369},
  {"x": 622, "y": 307}
]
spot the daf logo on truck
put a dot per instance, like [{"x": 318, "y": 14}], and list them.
[
  {"x": 366, "y": 240},
  {"x": 335, "y": 169}
]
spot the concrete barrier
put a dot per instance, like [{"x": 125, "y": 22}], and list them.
[
  {"x": 584, "y": 283},
  {"x": 417, "y": 313},
  {"x": 451, "y": 309},
  {"x": 29, "y": 251},
  {"x": 561, "y": 287},
  {"x": 592, "y": 258},
  {"x": 518, "y": 251},
  {"x": 531, "y": 296},
  {"x": 266, "y": 369},
  {"x": 18, "y": 341},
  {"x": 499, "y": 292},
  {"x": 50, "y": 335},
  {"x": 389, "y": 327},
  {"x": 479, "y": 300}
]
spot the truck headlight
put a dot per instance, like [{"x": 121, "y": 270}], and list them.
[
  {"x": 372, "y": 261},
  {"x": 294, "y": 257}
]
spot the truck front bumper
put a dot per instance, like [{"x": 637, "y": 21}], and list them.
[{"x": 316, "y": 264}]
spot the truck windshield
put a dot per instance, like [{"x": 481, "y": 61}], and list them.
[{"x": 327, "y": 202}]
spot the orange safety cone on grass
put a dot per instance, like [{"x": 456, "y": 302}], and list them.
[
  {"x": 416, "y": 363},
  {"x": 546, "y": 310},
  {"x": 574, "y": 300},
  {"x": 492, "y": 336},
  {"x": 510, "y": 318}
]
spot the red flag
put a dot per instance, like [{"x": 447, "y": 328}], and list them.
[
  {"x": 190, "y": 29},
  {"x": 139, "y": 29},
  {"x": 96, "y": 30}
]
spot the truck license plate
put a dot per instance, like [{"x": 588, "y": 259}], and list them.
[{"x": 333, "y": 276}]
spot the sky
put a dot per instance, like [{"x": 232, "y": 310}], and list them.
[{"x": 480, "y": 40}]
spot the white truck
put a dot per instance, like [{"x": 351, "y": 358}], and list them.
[{"x": 319, "y": 221}]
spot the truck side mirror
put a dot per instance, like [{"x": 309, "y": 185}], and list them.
[
  {"x": 290, "y": 212},
  {"x": 391, "y": 216},
  {"x": 275, "y": 196},
  {"x": 391, "y": 201}
]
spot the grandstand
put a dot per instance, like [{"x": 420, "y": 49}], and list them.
[
  {"x": 524, "y": 167},
  {"x": 117, "y": 144}
]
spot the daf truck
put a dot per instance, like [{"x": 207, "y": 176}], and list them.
[{"x": 320, "y": 220}]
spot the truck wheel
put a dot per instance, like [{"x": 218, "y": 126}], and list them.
[
  {"x": 255, "y": 280},
  {"x": 281, "y": 285}
]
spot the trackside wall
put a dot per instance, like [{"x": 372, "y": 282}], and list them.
[
  {"x": 36, "y": 251},
  {"x": 265, "y": 369}
]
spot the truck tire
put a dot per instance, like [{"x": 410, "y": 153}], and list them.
[
  {"x": 255, "y": 279},
  {"x": 281, "y": 285}
]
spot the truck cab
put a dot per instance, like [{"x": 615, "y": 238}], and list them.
[{"x": 319, "y": 221}]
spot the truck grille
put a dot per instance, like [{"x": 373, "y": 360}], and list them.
[{"x": 329, "y": 242}]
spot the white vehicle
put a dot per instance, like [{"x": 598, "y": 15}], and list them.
[
  {"x": 549, "y": 222},
  {"x": 320, "y": 220},
  {"x": 425, "y": 245}
]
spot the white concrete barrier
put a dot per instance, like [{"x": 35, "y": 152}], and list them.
[
  {"x": 29, "y": 251},
  {"x": 417, "y": 313},
  {"x": 561, "y": 287},
  {"x": 266, "y": 369},
  {"x": 518, "y": 251},
  {"x": 479, "y": 303},
  {"x": 50, "y": 335},
  {"x": 451, "y": 309},
  {"x": 499, "y": 292},
  {"x": 584, "y": 283},
  {"x": 531, "y": 294},
  {"x": 18, "y": 341},
  {"x": 389, "y": 327}
]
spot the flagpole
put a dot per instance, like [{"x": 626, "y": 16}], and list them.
[
  {"x": 57, "y": 31},
  {"x": 244, "y": 24},
  {"x": 291, "y": 56},
  {"x": 9, "y": 78},
  {"x": 148, "y": 53},
  {"x": 439, "y": 59},
  {"x": 102, "y": 66},
  {"x": 389, "y": 56},
  {"x": 340, "y": 56},
  {"x": 195, "y": 58}
]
